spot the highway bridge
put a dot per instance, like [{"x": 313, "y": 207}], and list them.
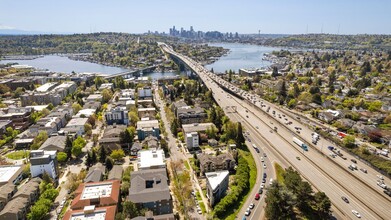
[
  {"x": 327, "y": 174},
  {"x": 132, "y": 73}
]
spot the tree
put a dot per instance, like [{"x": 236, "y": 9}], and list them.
[
  {"x": 349, "y": 141},
  {"x": 133, "y": 117},
  {"x": 126, "y": 137},
  {"x": 68, "y": 147},
  {"x": 39, "y": 139},
  {"x": 76, "y": 108},
  {"x": 50, "y": 194},
  {"x": 375, "y": 106},
  {"x": 88, "y": 161},
  {"x": 76, "y": 150},
  {"x": 50, "y": 106},
  {"x": 88, "y": 129},
  {"x": 275, "y": 71},
  {"x": 117, "y": 154},
  {"x": 106, "y": 95},
  {"x": 322, "y": 204},
  {"x": 239, "y": 135},
  {"x": 39, "y": 210},
  {"x": 174, "y": 127},
  {"x": 130, "y": 209},
  {"x": 4, "y": 89},
  {"x": 211, "y": 131},
  {"x": 283, "y": 90},
  {"x": 109, "y": 163},
  {"x": 92, "y": 120},
  {"x": 102, "y": 154},
  {"x": 93, "y": 156},
  {"x": 279, "y": 202},
  {"x": 62, "y": 157}
]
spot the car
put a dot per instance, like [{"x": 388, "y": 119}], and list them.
[
  {"x": 298, "y": 158},
  {"x": 263, "y": 180},
  {"x": 262, "y": 185},
  {"x": 247, "y": 213},
  {"x": 264, "y": 154},
  {"x": 257, "y": 196},
  {"x": 260, "y": 191},
  {"x": 246, "y": 116},
  {"x": 271, "y": 181},
  {"x": 257, "y": 150},
  {"x": 262, "y": 159},
  {"x": 387, "y": 192},
  {"x": 363, "y": 170},
  {"x": 345, "y": 199},
  {"x": 244, "y": 218},
  {"x": 380, "y": 177},
  {"x": 199, "y": 212},
  {"x": 356, "y": 213},
  {"x": 257, "y": 127},
  {"x": 264, "y": 175},
  {"x": 251, "y": 206},
  {"x": 264, "y": 166},
  {"x": 353, "y": 160}
]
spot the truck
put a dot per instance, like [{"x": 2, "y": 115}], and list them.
[
  {"x": 315, "y": 137},
  {"x": 300, "y": 143}
]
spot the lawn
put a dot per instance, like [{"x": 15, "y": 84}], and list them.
[
  {"x": 187, "y": 165},
  {"x": 202, "y": 206},
  {"x": 17, "y": 155},
  {"x": 279, "y": 173}
]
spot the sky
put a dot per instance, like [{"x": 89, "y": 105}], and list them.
[{"x": 243, "y": 16}]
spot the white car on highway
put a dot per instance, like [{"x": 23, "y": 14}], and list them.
[
  {"x": 264, "y": 166},
  {"x": 356, "y": 213}
]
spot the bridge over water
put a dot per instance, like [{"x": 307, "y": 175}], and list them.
[{"x": 131, "y": 73}]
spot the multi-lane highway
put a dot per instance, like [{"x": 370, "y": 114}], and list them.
[{"x": 325, "y": 173}]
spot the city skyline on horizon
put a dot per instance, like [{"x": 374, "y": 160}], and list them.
[{"x": 247, "y": 17}]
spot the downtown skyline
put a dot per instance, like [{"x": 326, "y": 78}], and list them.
[{"x": 245, "y": 17}]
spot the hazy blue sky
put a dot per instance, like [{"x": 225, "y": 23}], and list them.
[{"x": 244, "y": 16}]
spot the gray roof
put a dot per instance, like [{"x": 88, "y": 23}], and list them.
[
  {"x": 139, "y": 193},
  {"x": 15, "y": 205},
  {"x": 196, "y": 127},
  {"x": 115, "y": 173},
  {"x": 54, "y": 143},
  {"x": 113, "y": 131},
  {"x": 95, "y": 173},
  {"x": 6, "y": 189},
  {"x": 136, "y": 146},
  {"x": 27, "y": 189}
]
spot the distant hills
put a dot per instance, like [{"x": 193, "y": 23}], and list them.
[{"x": 24, "y": 32}]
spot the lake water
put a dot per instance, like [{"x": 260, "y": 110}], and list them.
[{"x": 241, "y": 56}]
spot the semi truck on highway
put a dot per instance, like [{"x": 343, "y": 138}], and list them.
[{"x": 300, "y": 143}]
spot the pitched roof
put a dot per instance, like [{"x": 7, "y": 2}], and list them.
[
  {"x": 27, "y": 189},
  {"x": 115, "y": 173},
  {"x": 113, "y": 131},
  {"x": 95, "y": 173},
  {"x": 54, "y": 143},
  {"x": 6, "y": 189},
  {"x": 108, "y": 210},
  {"x": 149, "y": 185},
  {"x": 15, "y": 205}
]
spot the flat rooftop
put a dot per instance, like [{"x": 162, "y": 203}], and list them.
[
  {"x": 7, "y": 172},
  {"x": 94, "y": 191},
  {"x": 215, "y": 178},
  {"x": 151, "y": 158},
  {"x": 196, "y": 127},
  {"x": 45, "y": 87},
  {"x": 77, "y": 122}
]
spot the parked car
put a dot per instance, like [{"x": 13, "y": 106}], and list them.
[
  {"x": 251, "y": 206},
  {"x": 353, "y": 160},
  {"x": 363, "y": 170},
  {"x": 387, "y": 192},
  {"x": 257, "y": 196}
]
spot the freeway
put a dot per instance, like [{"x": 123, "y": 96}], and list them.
[{"x": 325, "y": 174}]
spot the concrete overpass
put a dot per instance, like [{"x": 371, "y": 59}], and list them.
[{"x": 326, "y": 174}]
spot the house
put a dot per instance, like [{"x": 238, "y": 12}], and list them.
[
  {"x": 23, "y": 143},
  {"x": 108, "y": 86},
  {"x": 196, "y": 127},
  {"x": 216, "y": 185},
  {"x": 326, "y": 116},
  {"x": 111, "y": 137},
  {"x": 151, "y": 159},
  {"x": 20, "y": 117},
  {"x": 209, "y": 163},
  {"x": 146, "y": 128},
  {"x": 118, "y": 115},
  {"x": 151, "y": 142},
  {"x": 128, "y": 93},
  {"x": 136, "y": 147},
  {"x": 48, "y": 124},
  {"x": 7, "y": 191},
  {"x": 146, "y": 113},
  {"x": 92, "y": 105},
  {"x": 44, "y": 161},
  {"x": 145, "y": 103},
  {"x": 101, "y": 194},
  {"x": 150, "y": 189},
  {"x": 16, "y": 209},
  {"x": 190, "y": 115},
  {"x": 95, "y": 173},
  {"x": 192, "y": 140},
  {"x": 145, "y": 93},
  {"x": 91, "y": 212},
  {"x": 30, "y": 190},
  {"x": 4, "y": 125},
  {"x": 177, "y": 105},
  {"x": 94, "y": 97},
  {"x": 85, "y": 113},
  {"x": 54, "y": 143},
  {"x": 116, "y": 173},
  {"x": 10, "y": 174},
  {"x": 75, "y": 126}
]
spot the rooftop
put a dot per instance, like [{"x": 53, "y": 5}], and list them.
[
  {"x": 7, "y": 172},
  {"x": 196, "y": 127},
  {"x": 91, "y": 213},
  {"x": 215, "y": 178},
  {"x": 45, "y": 87},
  {"x": 77, "y": 122},
  {"x": 97, "y": 190},
  {"x": 151, "y": 158},
  {"x": 148, "y": 124}
]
